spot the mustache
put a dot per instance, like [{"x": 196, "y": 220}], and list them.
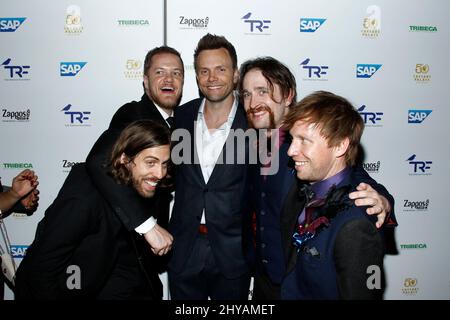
[{"x": 259, "y": 108}]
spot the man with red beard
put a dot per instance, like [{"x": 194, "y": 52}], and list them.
[
  {"x": 268, "y": 91},
  {"x": 82, "y": 250},
  {"x": 163, "y": 86}
]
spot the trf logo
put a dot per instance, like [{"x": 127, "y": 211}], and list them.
[
  {"x": 76, "y": 116},
  {"x": 366, "y": 70},
  {"x": 419, "y": 166},
  {"x": 70, "y": 69},
  {"x": 310, "y": 24},
  {"x": 15, "y": 71},
  {"x": 418, "y": 116},
  {"x": 369, "y": 117},
  {"x": 10, "y": 24},
  {"x": 259, "y": 25},
  {"x": 314, "y": 71}
]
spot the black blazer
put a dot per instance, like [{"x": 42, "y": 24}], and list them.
[
  {"x": 80, "y": 229},
  {"x": 132, "y": 209},
  {"x": 223, "y": 198}
]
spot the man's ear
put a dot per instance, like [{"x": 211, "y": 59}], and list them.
[
  {"x": 342, "y": 147},
  {"x": 124, "y": 159},
  {"x": 290, "y": 96}
]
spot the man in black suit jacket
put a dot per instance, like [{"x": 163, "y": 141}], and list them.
[
  {"x": 82, "y": 250},
  {"x": 207, "y": 256},
  {"x": 163, "y": 84}
]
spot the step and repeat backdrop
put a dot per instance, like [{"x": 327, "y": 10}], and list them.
[{"x": 67, "y": 66}]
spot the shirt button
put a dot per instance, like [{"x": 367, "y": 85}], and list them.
[
  {"x": 262, "y": 228},
  {"x": 265, "y": 261},
  {"x": 263, "y": 194},
  {"x": 263, "y": 245},
  {"x": 263, "y": 212}
]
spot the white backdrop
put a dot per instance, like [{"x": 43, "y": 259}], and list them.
[{"x": 399, "y": 87}]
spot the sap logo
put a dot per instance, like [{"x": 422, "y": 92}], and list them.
[
  {"x": 310, "y": 24},
  {"x": 18, "y": 251},
  {"x": 256, "y": 24},
  {"x": 70, "y": 69},
  {"x": 366, "y": 70},
  {"x": 371, "y": 117},
  {"x": 15, "y": 71},
  {"x": 10, "y": 24},
  {"x": 417, "y": 116},
  {"x": 79, "y": 116},
  {"x": 314, "y": 71},
  {"x": 423, "y": 166}
]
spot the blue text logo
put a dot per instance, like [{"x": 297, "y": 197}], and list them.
[
  {"x": 370, "y": 117},
  {"x": 314, "y": 72},
  {"x": 70, "y": 69},
  {"x": 10, "y": 24},
  {"x": 417, "y": 116},
  {"x": 78, "y": 117},
  {"x": 310, "y": 24},
  {"x": 366, "y": 70},
  {"x": 18, "y": 251},
  {"x": 420, "y": 167},
  {"x": 15, "y": 72},
  {"x": 256, "y": 24}
]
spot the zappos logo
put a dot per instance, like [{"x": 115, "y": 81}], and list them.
[
  {"x": 314, "y": 72},
  {"x": 67, "y": 165},
  {"x": 18, "y": 251},
  {"x": 77, "y": 118},
  {"x": 419, "y": 167},
  {"x": 310, "y": 24},
  {"x": 70, "y": 69},
  {"x": 366, "y": 70},
  {"x": 372, "y": 167},
  {"x": 256, "y": 26},
  {"x": 16, "y": 116},
  {"x": 418, "y": 116},
  {"x": 10, "y": 24},
  {"x": 371, "y": 119},
  {"x": 416, "y": 205}
]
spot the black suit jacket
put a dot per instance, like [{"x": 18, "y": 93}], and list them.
[
  {"x": 223, "y": 198},
  {"x": 80, "y": 229},
  {"x": 131, "y": 209}
]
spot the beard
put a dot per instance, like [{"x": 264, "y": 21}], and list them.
[
  {"x": 260, "y": 108},
  {"x": 137, "y": 185}
]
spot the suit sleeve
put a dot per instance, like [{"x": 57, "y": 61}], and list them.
[
  {"x": 42, "y": 274},
  {"x": 363, "y": 176},
  {"x": 125, "y": 201},
  {"x": 358, "y": 245}
]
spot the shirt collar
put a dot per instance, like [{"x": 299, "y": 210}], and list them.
[
  {"x": 231, "y": 115},
  {"x": 321, "y": 188}
]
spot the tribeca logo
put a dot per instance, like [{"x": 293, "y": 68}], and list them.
[
  {"x": 410, "y": 286},
  {"x": 314, "y": 72},
  {"x": 372, "y": 22},
  {"x": 17, "y": 166},
  {"x": 73, "y": 24},
  {"x": 10, "y": 24},
  {"x": 70, "y": 69},
  {"x": 409, "y": 205},
  {"x": 134, "y": 23},
  {"x": 413, "y": 246},
  {"x": 371, "y": 119},
  {"x": 15, "y": 116},
  {"x": 310, "y": 24},
  {"x": 15, "y": 72},
  {"x": 420, "y": 167},
  {"x": 18, "y": 251},
  {"x": 133, "y": 69},
  {"x": 430, "y": 29},
  {"x": 76, "y": 117},
  {"x": 191, "y": 23},
  {"x": 421, "y": 73},
  {"x": 418, "y": 116},
  {"x": 372, "y": 167},
  {"x": 255, "y": 24},
  {"x": 366, "y": 70}
]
